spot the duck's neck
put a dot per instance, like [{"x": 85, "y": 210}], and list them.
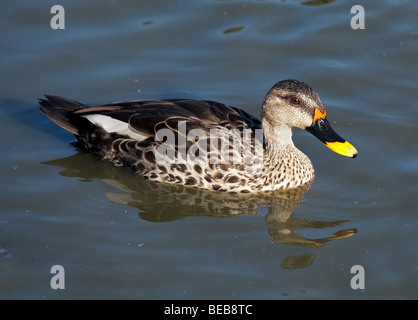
[
  {"x": 285, "y": 166},
  {"x": 277, "y": 139}
]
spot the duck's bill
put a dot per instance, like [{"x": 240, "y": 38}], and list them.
[{"x": 322, "y": 129}]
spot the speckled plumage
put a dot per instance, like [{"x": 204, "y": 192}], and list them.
[{"x": 125, "y": 134}]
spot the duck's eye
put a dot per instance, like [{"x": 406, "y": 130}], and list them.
[{"x": 295, "y": 100}]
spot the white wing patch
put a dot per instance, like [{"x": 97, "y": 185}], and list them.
[{"x": 112, "y": 125}]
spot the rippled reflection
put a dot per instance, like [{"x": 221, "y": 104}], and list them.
[
  {"x": 233, "y": 30},
  {"x": 316, "y": 2},
  {"x": 162, "y": 203},
  {"x": 305, "y": 3}
]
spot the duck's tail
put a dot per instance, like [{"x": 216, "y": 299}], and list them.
[{"x": 60, "y": 110}]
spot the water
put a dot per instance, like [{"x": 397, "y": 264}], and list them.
[{"x": 118, "y": 236}]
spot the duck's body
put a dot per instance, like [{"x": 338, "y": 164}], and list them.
[{"x": 204, "y": 144}]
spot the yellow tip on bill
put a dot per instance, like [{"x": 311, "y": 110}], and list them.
[{"x": 343, "y": 148}]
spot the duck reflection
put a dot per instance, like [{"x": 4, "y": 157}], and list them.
[{"x": 162, "y": 203}]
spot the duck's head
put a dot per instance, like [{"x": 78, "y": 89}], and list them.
[{"x": 292, "y": 103}]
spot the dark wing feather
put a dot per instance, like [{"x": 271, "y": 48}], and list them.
[
  {"x": 147, "y": 116},
  {"x": 154, "y": 115}
]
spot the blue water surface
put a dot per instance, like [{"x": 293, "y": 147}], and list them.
[{"x": 120, "y": 237}]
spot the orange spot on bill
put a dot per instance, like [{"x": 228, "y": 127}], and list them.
[{"x": 318, "y": 114}]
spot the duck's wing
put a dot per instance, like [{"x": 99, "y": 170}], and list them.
[
  {"x": 143, "y": 118},
  {"x": 204, "y": 115}
]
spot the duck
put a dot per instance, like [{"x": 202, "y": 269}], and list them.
[{"x": 203, "y": 143}]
